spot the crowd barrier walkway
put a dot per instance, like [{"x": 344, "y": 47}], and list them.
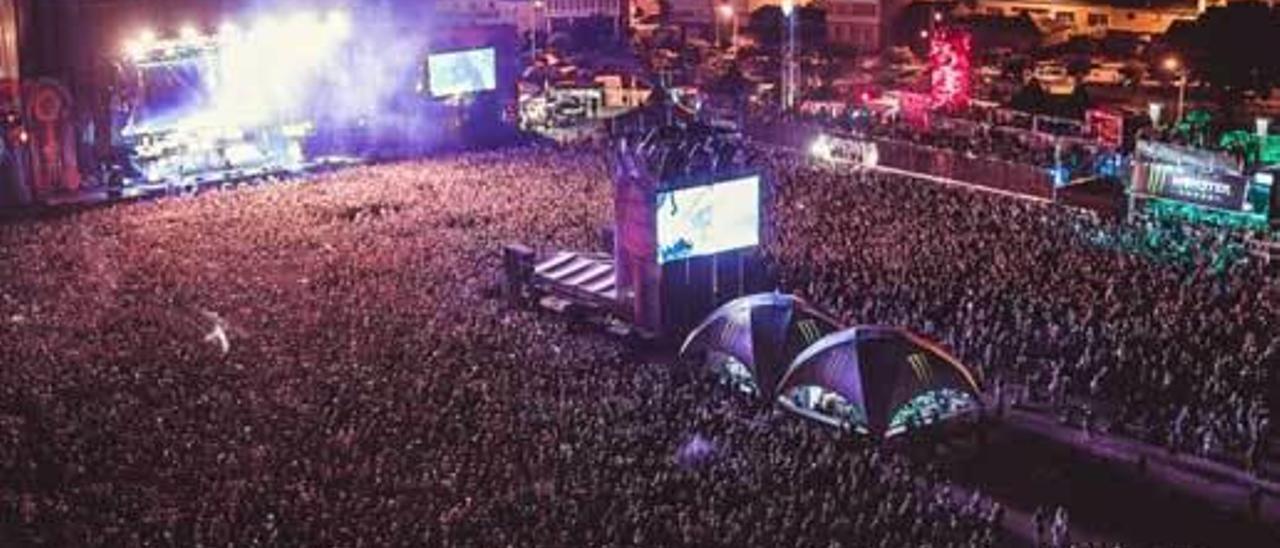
[{"x": 1222, "y": 485}]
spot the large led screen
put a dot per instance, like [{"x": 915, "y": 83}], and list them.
[
  {"x": 459, "y": 72},
  {"x": 708, "y": 219}
]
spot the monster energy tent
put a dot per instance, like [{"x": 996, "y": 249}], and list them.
[
  {"x": 753, "y": 338},
  {"x": 878, "y": 380}
]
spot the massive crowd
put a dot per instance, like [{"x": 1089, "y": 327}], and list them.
[
  {"x": 329, "y": 364},
  {"x": 1043, "y": 303}
]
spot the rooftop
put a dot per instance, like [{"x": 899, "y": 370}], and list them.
[{"x": 1131, "y": 4}]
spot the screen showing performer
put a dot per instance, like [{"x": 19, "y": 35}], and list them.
[
  {"x": 461, "y": 72},
  {"x": 708, "y": 219}
]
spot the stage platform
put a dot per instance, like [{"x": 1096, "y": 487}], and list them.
[{"x": 585, "y": 278}]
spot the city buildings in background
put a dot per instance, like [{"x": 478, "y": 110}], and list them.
[
  {"x": 704, "y": 12},
  {"x": 543, "y": 15},
  {"x": 1071, "y": 18},
  {"x": 859, "y": 24}
]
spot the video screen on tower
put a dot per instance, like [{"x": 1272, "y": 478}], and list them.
[
  {"x": 708, "y": 219},
  {"x": 460, "y": 72},
  {"x": 172, "y": 92}
]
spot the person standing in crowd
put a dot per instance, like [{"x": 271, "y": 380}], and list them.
[
  {"x": 1040, "y": 522},
  {"x": 1060, "y": 534}
]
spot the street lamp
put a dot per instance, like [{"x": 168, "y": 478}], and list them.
[
  {"x": 189, "y": 33},
  {"x": 790, "y": 74},
  {"x": 1172, "y": 64},
  {"x": 538, "y": 6},
  {"x": 727, "y": 13}
]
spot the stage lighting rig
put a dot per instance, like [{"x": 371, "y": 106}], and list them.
[{"x": 201, "y": 106}]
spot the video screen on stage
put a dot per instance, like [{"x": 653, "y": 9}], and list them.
[
  {"x": 708, "y": 219},
  {"x": 172, "y": 92},
  {"x": 459, "y": 72}
]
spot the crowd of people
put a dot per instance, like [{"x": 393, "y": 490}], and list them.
[
  {"x": 330, "y": 364},
  {"x": 1174, "y": 352}
]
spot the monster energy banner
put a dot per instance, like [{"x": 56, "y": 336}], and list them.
[{"x": 1216, "y": 189}]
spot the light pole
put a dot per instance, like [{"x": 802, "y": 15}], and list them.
[
  {"x": 715, "y": 23},
  {"x": 726, "y": 13},
  {"x": 538, "y": 6},
  {"x": 733, "y": 40},
  {"x": 789, "y": 72},
  {"x": 1172, "y": 64}
]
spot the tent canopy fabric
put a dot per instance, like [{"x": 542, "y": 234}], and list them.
[
  {"x": 879, "y": 370},
  {"x": 764, "y": 332}
]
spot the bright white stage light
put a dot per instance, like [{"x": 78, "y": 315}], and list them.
[
  {"x": 306, "y": 25},
  {"x": 134, "y": 49},
  {"x": 147, "y": 37},
  {"x": 263, "y": 68},
  {"x": 266, "y": 25},
  {"x": 339, "y": 24},
  {"x": 188, "y": 33},
  {"x": 821, "y": 148}
]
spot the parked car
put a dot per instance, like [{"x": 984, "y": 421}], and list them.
[
  {"x": 1105, "y": 75},
  {"x": 1054, "y": 78},
  {"x": 1050, "y": 72}
]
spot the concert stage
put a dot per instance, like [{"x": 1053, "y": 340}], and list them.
[{"x": 214, "y": 103}]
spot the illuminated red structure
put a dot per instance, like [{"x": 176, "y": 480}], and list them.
[{"x": 950, "y": 54}]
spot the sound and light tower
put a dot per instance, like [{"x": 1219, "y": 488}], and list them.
[{"x": 539, "y": 7}]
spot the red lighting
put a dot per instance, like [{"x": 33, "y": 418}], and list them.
[{"x": 950, "y": 52}]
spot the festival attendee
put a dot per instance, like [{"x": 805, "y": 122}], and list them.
[{"x": 330, "y": 364}]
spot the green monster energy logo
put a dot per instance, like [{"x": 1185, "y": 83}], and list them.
[
  {"x": 809, "y": 330},
  {"x": 920, "y": 366},
  {"x": 1155, "y": 179},
  {"x": 1170, "y": 181}
]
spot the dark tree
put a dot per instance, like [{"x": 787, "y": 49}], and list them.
[
  {"x": 1031, "y": 98},
  {"x": 769, "y": 27},
  {"x": 1078, "y": 66},
  {"x": 912, "y": 19},
  {"x": 1076, "y": 104},
  {"x": 592, "y": 34},
  {"x": 664, "y": 11},
  {"x": 1232, "y": 48},
  {"x": 731, "y": 83},
  {"x": 1015, "y": 67},
  {"x": 993, "y": 31}
]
